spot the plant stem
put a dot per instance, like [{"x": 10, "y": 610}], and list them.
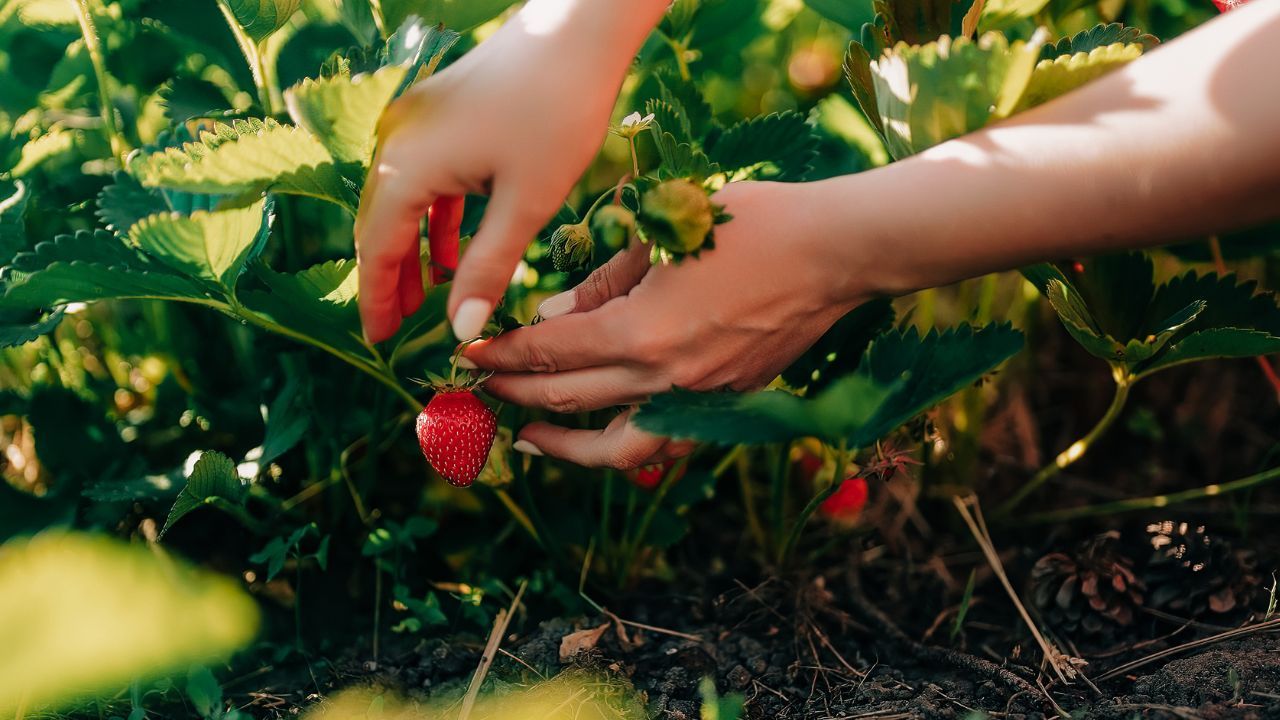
[
  {"x": 1077, "y": 449},
  {"x": 842, "y": 462},
  {"x": 518, "y": 514},
  {"x": 668, "y": 482},
  {"x": 253, "y": 56},
  {"x": 1156, "y": 501},
  {"x": 93, "y": 45},
  {"x": 635, "y": 161},
  {"x": 777, "y": 490},
  {"x": 727, "y": 461}
]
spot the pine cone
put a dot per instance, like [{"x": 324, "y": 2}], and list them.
[
  {"x": 1192, "y": 573},
  {"x": 1091, "y": 590}
]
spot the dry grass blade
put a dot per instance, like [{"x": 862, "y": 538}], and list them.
[
  {"x": 500, "y": 624},
  {"x": 1065, "y": 666},
  {"x": 1268, "y": 626}
]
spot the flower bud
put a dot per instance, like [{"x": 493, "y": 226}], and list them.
[{"x": 571, "y": 247}]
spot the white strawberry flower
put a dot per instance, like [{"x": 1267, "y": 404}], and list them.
[{"x": 633, "y": 125}]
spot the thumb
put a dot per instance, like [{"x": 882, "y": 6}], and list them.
[
  {"x": 486, "y": 267},
  {"x": 615, "y": 278}
]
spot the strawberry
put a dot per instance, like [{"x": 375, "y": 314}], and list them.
[
  {"x": 456, "y": 431},
  {"x": 444, "y": 222},
  {"x": 1225, "y": 5},
  {"x": 648, "y": 477},
  {"x": 845, "y": 505}
]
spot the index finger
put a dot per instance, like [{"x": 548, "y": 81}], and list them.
[{"x": 386, "y": 232}]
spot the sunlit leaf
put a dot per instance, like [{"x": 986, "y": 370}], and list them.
[
  {"x": 213, "y": 477},
  {"x": 1098, "y": 36},
  {"x": 319, "y": 302},
  {"x": 84, "y": 615},
  {"x": 343, "y": 111},
  {"x": 13, "y": 205},
  {"x": 1064, "y": 73},
  {"x": 212, "y": 246},
  {"x": 19, "y": 327},
  {"x": 419, "y": 49},
  {"x": 261, "y": 18},
  {"x": 461, "y": 15},
  {"x": 778, "y": 146}
]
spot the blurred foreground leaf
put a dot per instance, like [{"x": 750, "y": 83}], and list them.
[{"x": 82, "y": 615}]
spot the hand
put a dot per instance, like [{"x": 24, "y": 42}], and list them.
[
  {"x": 519, "y": 117},
  {"x": 733, "y": 317}
]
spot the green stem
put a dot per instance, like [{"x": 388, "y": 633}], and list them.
[
  {"x": 1077, "y": 449},
  {"x": 842, "y": 462},
  {"x": 93, "y": 45},
  {"x": 655, "y": 502},
  {"x": 778, "y": 471},
  {"x": 727, "y": 461},
  {"x": 679, "y": 49},
  {"x": 1155, "y": 502},
  {"x": 635, "y": 161},
  {"x": 253, "y": 56}
]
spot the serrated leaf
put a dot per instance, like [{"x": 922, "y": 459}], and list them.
[
  {"x": 287, "y": 420},
  {"x": 1064, "y": 73},
  {"x": 185, "y": 97},
  {"x": 687, "y": 100},
  {"x": 931, "y": 93},
  {"x": 1075, "y": 317},
  {"x": 248, "y": 156},
  {"x": 343, "y": 111},
  {"x": 680, "y": 159},
  {"x": 125, "y": 202},
  {"x": 668, "y": 117},
  {"x": 19, "y": 327},
  {"x": 999, "y": 15},
  {"x": 840, "y": 349},
  {"x": 212, "y": 246},
  {"x": 90, "y": 266},
  {"x": 1215, "y": 343},
  {"x": 857, "y": 70},
  {"x": 418, "y": 48},
  {"x": 1228, "y": 306},
  {"x": 924, "y": 371},
  {"x": 213, "y": 476},
  {"x": 1099, "y": 36},
  {"x": 462, "y": 15},
  {"x": 261, "y": 18},
  {"x": 778, "y": 146},
  {"x": 319, "y": 301},
  {"x": 1117, "y": 289},
  {"x": 917, "y": 22},
  {"x": 900, "y": 376},
  {"x": 13, "y": 230}
]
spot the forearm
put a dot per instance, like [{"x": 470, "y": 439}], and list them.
[
  {"x": 1180, "y": 143},
  {"x": 603, "y": 33}
]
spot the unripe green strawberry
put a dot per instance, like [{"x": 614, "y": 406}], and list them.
[
  {"x": 678, "y": 216},
  {"x": 455, "y": 431},
  {"x": 613, "y": 225},
  {"x": 571, "y": 247}
]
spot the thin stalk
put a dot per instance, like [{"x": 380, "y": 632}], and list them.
[
  {"x": 253, "y": 56},
  {"x": 842, "y": 462},
  {"x": 93, "y": 45},
  {"x": 777, "y": 490},
  {"x": 1156, "y": 502},
  {"x": 727, "y": 461},
  {"x": 668, "y": 482},
  {"x": 635, "y": 161},
  {"x": 679, "y": 49},
  {"x": 520, "y": 516},
  {"x": 749, "y": 503},
  {"x": 1077, "y": 449}
]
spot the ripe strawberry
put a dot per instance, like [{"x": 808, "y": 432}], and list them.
[
  {"x": 845, "y": 505},
  {"x": 648, "y": 477},
  {"x": 456, "y": 430},
  {"x": 444, "y": 222},
  {"x": 1225, "y": 5}
]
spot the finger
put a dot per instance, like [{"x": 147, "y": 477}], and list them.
[
  {"x": 568, "y": 342},
  {"x": 444, "y": 223},
  {"x": 387, "y": 230},
  {"x": 574, "y": 391},
  {"x": 411, "y": 291},
  {"x": 621, "y": 445},
  {"x": 615, "y": 278},
  {"x": 485, "y": 270}
]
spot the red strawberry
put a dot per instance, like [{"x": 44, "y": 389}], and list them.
[
  {"x": 444, "y": 221},
  {"x": 845, "y": 505},
  {"x": 1225, "y": 5},
  {"x": 648, "y": 477},
  {"x": 456, "y": 430}
]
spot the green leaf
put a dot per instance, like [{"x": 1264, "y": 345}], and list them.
[
  {"x": 680, "y": 159},
  {"x": 461, "y": 15},
  {"x": 921, "y": 21},
  {"x": 1099, "y": 36},
  {"x": 418, "y": 48},
  {"x": 1064, "y": 73},
  {"x": 1236, "y": 320},
  {"x": 261, "y": 18},
  {"x": 999, "y": 15},
  {"x": 90, "y": 266},
  {"x": 125, "y": 202},
  {"x": 212, "y": 246},
  {"x": 19, "y": 327},
  {"x": 924, "y": 371},
  {"x": 1117, "y": 289},
  {"x": 1075, "y": 317},
  {"x": 857, "y": 70},
  {"x": 204, "y": 692},
  {"x": 687, "y": 100},
  {"x": 343, "y": 111},
  {"x": 213, "y": 477},
  {"x": 318, "y": 302},
  {"x": 840, "y": 349},
  {"x": 287, "y": 421},
  {"x": 850, "y": 13},
  {"x": 1215, "y": 343},
  {"x": 778, "y": 146},
  {"x": 13, "y": 230},
  {"x": 931, "y": 93},
  {"x": 665, "y": 115},
  {"x": 248, "y": 156}
]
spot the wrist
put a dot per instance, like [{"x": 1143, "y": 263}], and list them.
[{"x": 840, "y": 223}]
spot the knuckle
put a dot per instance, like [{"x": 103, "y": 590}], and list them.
[
  {"x": 558, "y": 401},
  {"x": 627, "y": 458},
  {"x": 538, "y": 360}
]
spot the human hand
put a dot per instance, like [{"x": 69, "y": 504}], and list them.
[
  {"x": 734, "y": 317},
  {"x": 519, "y": 118}
]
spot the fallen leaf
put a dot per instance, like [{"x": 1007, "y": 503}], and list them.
[{"x": 581, "y": 641}]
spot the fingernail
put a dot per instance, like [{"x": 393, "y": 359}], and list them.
[
  {"x": 470, "y": 317},
  {"x": 561, "y": 304},
  {"x": 466, "y": 364},
  {"x": 526, "y": 447}
]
